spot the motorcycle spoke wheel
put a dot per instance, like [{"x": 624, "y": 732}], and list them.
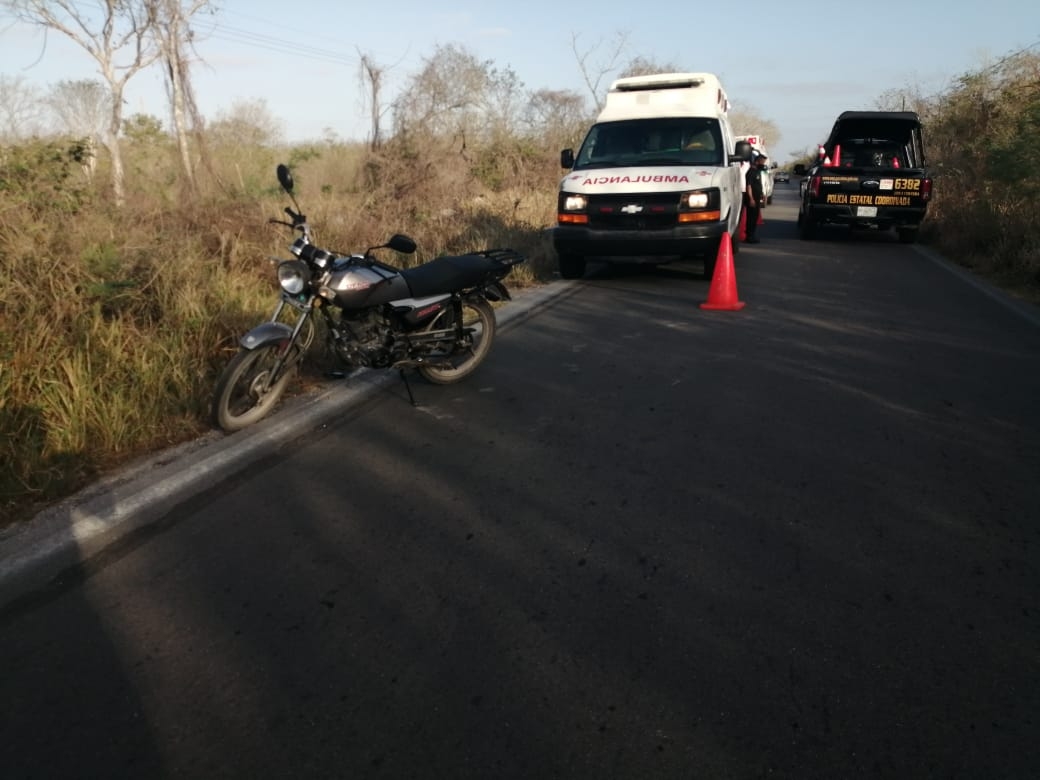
[
  {"x": 240, "y": 399},
  {"x": 479, "y": 317}
]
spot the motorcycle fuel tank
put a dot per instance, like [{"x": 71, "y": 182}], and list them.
[{"x": 357, "y": 286}]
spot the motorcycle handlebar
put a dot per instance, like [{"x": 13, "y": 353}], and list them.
[
  {"x": 316, "y": 254},
  {"x": 298, "y": 220}
]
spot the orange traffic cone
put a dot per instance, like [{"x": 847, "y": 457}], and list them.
[{"x": 722, "y": 295}]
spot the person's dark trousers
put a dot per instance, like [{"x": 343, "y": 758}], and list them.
[{"x": 751, "y": 227}]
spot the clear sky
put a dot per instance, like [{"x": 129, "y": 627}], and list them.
[{"x": 794, "y": 62}]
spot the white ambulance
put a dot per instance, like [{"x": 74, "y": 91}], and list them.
[{"x": 656, "y": 179}]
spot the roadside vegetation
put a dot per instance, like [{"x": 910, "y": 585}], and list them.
[
  {"x": 118, "y": 307},
  {"x": 983, "y": 141}
]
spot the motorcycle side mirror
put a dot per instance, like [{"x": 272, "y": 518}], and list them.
[
  {"x": 401, "y": 243},
  {"x": 285, "y": 177}
]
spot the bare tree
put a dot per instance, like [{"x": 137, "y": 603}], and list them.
[
  {"x": 247, "y": 124},
  {"x": 593, "y": 73},
  {"x": 117, "y": 34},
  {"x": 174, "y": 36},
  {"x": 82, "y": 110},
  {"x": 906, "y": 98},
  {"x": 502, "y": 101},
  {"x": 643, "y": 66},
  {"x": 372, "y": 75},
  {"x": 444, "y": 98},
  {"x": 459, "y": 97},
  {"x": 19, "y": 108},
  {"x": 558, "y": 116},
  {"x": 746, "y": 120}
]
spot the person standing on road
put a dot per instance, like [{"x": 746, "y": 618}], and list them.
[{"x": 754, "y": 197}]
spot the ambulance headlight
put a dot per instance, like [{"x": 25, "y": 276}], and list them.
[
  {"x": 700, "y": 206},
  {"x": 695, "y": 200},
  {"x": 575, "y": 202}
]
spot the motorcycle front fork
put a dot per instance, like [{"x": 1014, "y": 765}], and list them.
[{"x": 291, "y": 350}]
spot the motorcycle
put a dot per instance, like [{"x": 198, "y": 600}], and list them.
[{"x": 436, "y": 317}]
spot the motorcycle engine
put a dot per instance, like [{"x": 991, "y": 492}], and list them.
[{"x": 364, "y": 339}]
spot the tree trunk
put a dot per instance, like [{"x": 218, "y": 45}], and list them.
[
  {"x": 180, "y": 121},
  {"x": 115, "y": 151}
]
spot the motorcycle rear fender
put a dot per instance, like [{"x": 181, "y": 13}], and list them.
[{"x": 266, "y": 333}]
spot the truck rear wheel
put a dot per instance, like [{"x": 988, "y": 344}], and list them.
[
  {"x": 806, "y": 227},
  {"x": 907, "y": 235}
]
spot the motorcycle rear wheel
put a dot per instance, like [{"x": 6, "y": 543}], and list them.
[
  {"x": 478, "y": 315},
  {"x": 239, "y": 400}
]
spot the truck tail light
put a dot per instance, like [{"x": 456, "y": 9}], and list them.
[
  {"x": 814, "y": 186},
  {"x": 926, "y": 190}
]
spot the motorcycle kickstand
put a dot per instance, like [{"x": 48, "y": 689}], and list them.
[{"x": 407, "y": 386}]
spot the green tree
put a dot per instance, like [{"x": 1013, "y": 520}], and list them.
[{"x": 144, "y": 130}]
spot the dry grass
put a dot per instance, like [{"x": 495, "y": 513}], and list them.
[{"x": 115, "y": 323}]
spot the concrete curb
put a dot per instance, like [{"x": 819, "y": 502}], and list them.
[{"x": 32, "y": 554}]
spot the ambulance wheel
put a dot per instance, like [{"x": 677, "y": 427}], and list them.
[
  {"x": 571, "y": 266},
  {"x": 709, "y": 266}
]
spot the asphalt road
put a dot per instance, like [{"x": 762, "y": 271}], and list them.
[{"x": 645, "y": 541}]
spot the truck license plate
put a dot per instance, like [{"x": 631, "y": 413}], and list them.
[{"x": 866, "y": 211}]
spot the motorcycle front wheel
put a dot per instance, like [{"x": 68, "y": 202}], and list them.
[
  {"x": 240, "y": 399},
  {"x": 477, "y": 315}
]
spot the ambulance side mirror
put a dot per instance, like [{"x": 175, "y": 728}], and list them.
[{"x": 742, "y": 152}]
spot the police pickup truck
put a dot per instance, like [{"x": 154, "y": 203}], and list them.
[{"x": 869, "y": 173}]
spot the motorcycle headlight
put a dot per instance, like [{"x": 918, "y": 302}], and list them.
[{"x": 293, "y": 276}]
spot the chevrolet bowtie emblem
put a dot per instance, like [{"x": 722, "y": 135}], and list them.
[{"x": 632, "y": 208}]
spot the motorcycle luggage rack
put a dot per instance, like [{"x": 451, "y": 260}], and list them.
[{"x": 507, "y": 257}]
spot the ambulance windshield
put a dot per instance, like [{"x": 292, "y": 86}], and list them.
[{"x": 655, "y": 141}]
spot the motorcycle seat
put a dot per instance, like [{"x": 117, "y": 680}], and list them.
[{"x": 448, "y": 274}]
